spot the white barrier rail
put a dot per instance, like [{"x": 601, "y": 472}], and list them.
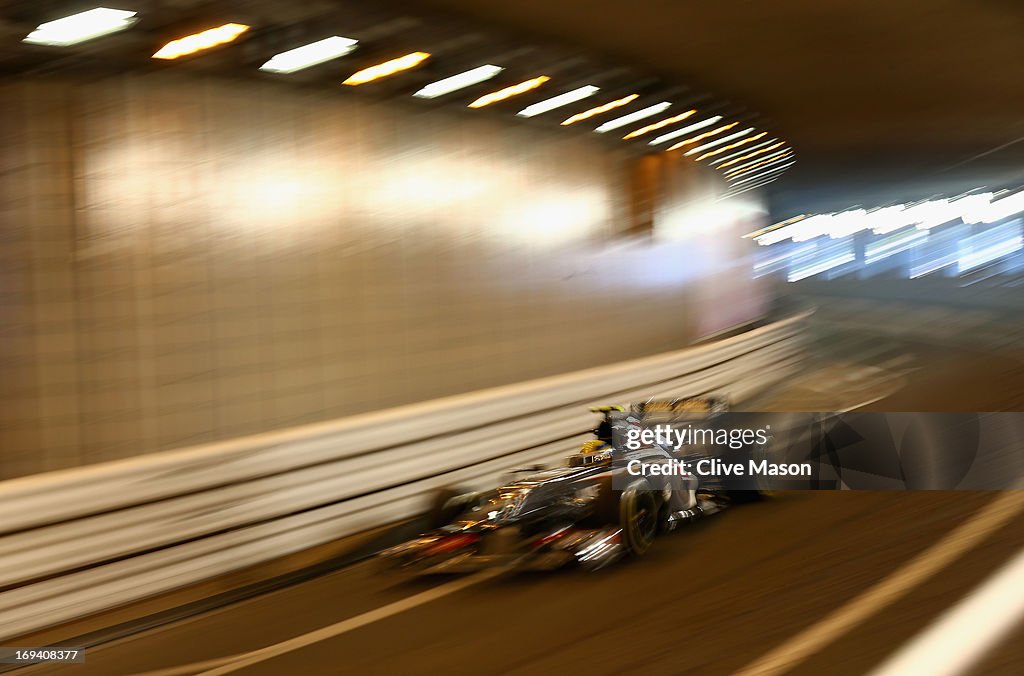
[{"x": 81, "y": 541}]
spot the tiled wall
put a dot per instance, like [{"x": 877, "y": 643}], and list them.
[{"x": 184, "y": 260}]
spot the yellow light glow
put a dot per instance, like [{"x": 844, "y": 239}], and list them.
[
  {"x": 190, "y": 44},
  {"x": 744, "y": 170},
  {"x": 387, "y": 68},
  {"x": 749, "y": 155},
  {"x": 658, "y": 125},
  {"x": 509, "y": 92},
  {"x": 731, "y": 146},
  {"x": 587, "y": 114},
  {"x": 701, "y": 137}
]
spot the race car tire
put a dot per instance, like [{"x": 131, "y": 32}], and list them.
[{"x": 639, "y": 514}]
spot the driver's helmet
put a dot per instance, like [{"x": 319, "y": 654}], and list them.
[
  {"x": 593, "y": 446},
  {"x": 593, "y": 452}
]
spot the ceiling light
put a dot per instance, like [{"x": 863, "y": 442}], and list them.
[
  {"x": 633, "y": 117},
  {"x": 686, "y": 130},
  {"x": 587, "y": 114},
  {"x": 509, "y": 92},
  {"x": 718, "y": 161},
  {"x": 718, "y": 142},
  {"x": 760, "y": 174},
  {"x": 701, "y": 137},
  {"x": 81, "y": 27},
  {"x": 310, "y": 55},
  {"x": 773, "y": 146},
  {"x": 746, "y": 188},
  {"x": 658, "y": 125},
  {"x": 759, "y": 162},
  {"x": 387, "y": 68},
  {"x": 723, "y": 149},
  {"x": 190, "y": 44},
  {"x": 460, "y": 81},
  {"x": 558, "y": 101}
]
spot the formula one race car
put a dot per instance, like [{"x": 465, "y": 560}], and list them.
[{"x": 587, "y": 513}]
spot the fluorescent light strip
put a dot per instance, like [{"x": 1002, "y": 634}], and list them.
[
  {"x": 774, "y": 159},
  {"x": 457, "y": 82},
  {"x": 736, "y": 180},
  {"x": 765, "y": 172},
  {"x": 80, "y": 27},
  {"x": 757, "y": 184},
  {"x": 387, "y": 68},
  {"x": 659, "y": 125},
  {"x": 741, "y": 142},
  {"x": 718, "y": 162},
  {"x": 310, "y": 55},
  {"x": 759, "y": 161},
  {"x": 611, "y": 105},
  {"x": 509, "y": 92},
  {"x": 718, "y": 142},
  {"x": 701, "y": 137},
  {"x": 734, "y": 193},
  {"x": 685, "y": 130},
  {"x": 558, "y": 101},
  {"x": 762, "y": 173},
  {"x": 767, "y": 178},
  {"x": 633, "y": 117},
  {"x": 198, "y": 42},
  {"x": 777, "y": 144}
]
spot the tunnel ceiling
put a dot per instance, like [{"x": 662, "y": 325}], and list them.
[{"x": 881, "y": 99}]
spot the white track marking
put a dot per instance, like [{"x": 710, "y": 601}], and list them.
[
  {"x": 953, "y": 644},
  {"x": 897, "y": 585},
  {"x": 232, "y": 664}
]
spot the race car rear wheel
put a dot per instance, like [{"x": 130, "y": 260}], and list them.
[{"x": 639, "y": 513}]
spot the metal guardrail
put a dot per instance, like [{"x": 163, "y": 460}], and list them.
[{"x": 81, "y": 541}]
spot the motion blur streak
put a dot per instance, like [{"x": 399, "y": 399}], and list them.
[
  {"x": 962, "y": 637},
  {"x": 897, "y": 585}
]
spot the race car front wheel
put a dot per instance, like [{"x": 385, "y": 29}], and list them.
[{"x": 639, "y": 512}]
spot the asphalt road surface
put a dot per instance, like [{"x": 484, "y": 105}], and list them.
[{"x": 805, "y": 583}]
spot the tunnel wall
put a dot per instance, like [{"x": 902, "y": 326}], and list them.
[{"x": 189, "y": 259}]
